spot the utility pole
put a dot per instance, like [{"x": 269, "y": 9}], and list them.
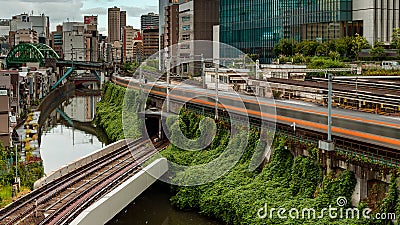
[
  {"x": 330, "y": 78},
  {"x": 216, "y": 90},
  {"x": 257, "y": 77},
  {"x": 203, "y": 78},
  {"x": 328, "y": 146},
  {"x": 168, "y": 77}
]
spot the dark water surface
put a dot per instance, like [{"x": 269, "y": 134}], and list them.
[{"x": 153, "y": 208}]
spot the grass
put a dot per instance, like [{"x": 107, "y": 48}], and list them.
[{"x": 6, "y": 195}]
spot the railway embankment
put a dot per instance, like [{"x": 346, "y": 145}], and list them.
[{"x": 289, "y": 181}]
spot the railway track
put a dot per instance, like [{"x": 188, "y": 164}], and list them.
[{"x": 69, "y": 195}]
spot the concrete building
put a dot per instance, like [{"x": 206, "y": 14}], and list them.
[
  {"x": 4, "y": 34},
  {"x": 122, "y": 20},
  {"x": 375, "y": 19},
  {"x": 26, "y": 36},
  {"x": 91, "y": 35},
  {"x": 171, "y": 26},
  {"x": 41, "y": 24},
  {"x": 114, "y": 24},
  {"x": 150, "y": 42},
  {"x": 229, "y": 79},
  {"x": 20, "y": 22},
  {"x": 5, "y": 137},
  {"x": 129, "y": 38},
  {"x": 162, "y": 23},
  {"x": 56, "y": 40},
  {"x": 149, "y": 21},
  {"x": 4, "y": 27},
  {"x": 10, "y": 81},
  {"x": 116, "y": 21},
  {"x": 74, "y": 43},
  {"x": 256, "y": 31},
  {"x": 196, "y": 21}
]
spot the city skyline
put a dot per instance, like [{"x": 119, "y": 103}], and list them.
[{"x": 60, "y": 11}]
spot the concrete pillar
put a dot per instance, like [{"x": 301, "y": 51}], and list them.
[
  {"x": 328, "y": 163},
  {"x": 360, "y": 191}
]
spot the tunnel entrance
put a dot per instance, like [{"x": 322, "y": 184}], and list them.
[{"x": 153, "y": 127}]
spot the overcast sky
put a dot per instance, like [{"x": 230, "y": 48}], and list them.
[{"x": 60, "y": 10}]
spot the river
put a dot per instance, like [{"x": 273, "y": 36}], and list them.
[
  {"x": 153, "y": 208},
  {"x": 61, "y": 144}
]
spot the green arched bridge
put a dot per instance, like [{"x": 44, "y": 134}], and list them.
[{"x": 30, "y": 53}]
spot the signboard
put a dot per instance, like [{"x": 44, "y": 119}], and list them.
[
  {"x": 90, "y": 20},
  {"x": 137, "y": 36},
  {"x": 3, "y": 92}
]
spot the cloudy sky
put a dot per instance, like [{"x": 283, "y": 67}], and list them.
[{"x": 60, "y": 10}]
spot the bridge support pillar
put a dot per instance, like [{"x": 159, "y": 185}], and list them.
[
  {"x": 327, "y": 148},
  {"x": 361, "y": 189}
]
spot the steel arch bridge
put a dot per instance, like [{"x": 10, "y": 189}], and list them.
[{"x": 28, "y": 52}]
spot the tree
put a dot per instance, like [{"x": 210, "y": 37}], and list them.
[
  {"x": 253, "y": 57},
  {"x": 377, "y": 51},
  {"x": 334, "y": 55},
  {"x": 396, "y": 38},
  {"x": 321, "y": 49},
  {"x": 358, "y": 43},
  {"x": 285, "y": 47},
  {"x": 307, "y": 48}
]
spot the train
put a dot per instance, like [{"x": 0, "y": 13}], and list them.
[{"x": 368, "y": 130}]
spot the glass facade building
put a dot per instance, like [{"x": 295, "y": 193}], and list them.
[{"x": 256, "y": 26}]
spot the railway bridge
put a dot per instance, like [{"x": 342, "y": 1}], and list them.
[{"x": 366, "y": 144}]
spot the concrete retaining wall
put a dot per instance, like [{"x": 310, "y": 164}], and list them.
[
  {"x": 110, "y": 205},
  {"x": 79, "y": 163}
]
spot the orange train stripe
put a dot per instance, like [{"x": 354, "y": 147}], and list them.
[
  {"x": 287, "y": 119},
  {"x": 296, "y": 109}
]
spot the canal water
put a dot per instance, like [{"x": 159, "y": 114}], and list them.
[
  {"x": 61, "y": 144},
  {"x": 153, "y": 208}
]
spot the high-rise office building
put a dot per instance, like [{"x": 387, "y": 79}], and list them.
[
  {"x": 149, "y": 21},
  {"x": 256, "y": 26},
  {"x": 116, "y": 21},
  {"x": 150, "y": 42},
  {"x": 114, "y": 24},
  {"x": 171, "y": 26},
  {"x": 122, "y": 20},
  {"x": 196, "y": 21},
  {"x": 56, "y": 41}
]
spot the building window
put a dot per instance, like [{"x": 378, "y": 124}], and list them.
[
  {"x": 185, "y": 18},
  {"x": 186, "y": 37},
  {"x": 186, "y": 27}
]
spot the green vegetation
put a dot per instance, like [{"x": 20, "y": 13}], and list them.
[
  {"x": 129, "y": 67},
  {"x": 285, "y": 181},
  {"x": 110, "y": 116},
  {"x": 27, "y": 172},
  {"x": 343, "y": 49}
]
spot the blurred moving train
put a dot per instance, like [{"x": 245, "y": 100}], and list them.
[{"x": 369, "y": 129}]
